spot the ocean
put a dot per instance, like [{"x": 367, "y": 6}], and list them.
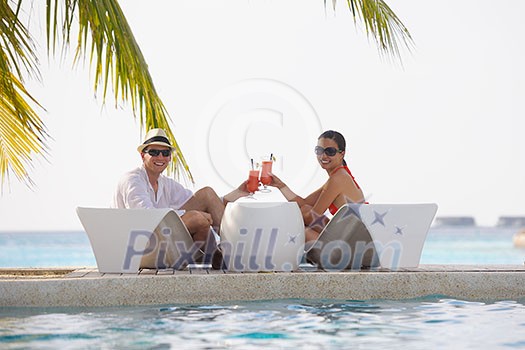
[{"x": 444, "y": 245}]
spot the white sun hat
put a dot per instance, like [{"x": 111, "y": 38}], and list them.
[{"x": 155, "y": 137}]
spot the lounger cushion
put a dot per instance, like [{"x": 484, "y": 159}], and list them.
[{"x": 344, "y": 243}]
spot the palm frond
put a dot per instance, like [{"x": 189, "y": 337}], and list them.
[
  {"x": 383, "y": 25},
  {"x": 22, "y": 133},
  {"x": 17, "y": 45},
  {"x": 117, "y": 61}
]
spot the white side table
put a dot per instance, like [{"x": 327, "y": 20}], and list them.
[{"x": 262, "y": 236}]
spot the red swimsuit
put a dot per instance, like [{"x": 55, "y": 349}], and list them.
[{"x": 333, "y": 209}]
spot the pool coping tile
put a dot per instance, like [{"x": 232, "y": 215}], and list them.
[{"x": 88, "y": 287}]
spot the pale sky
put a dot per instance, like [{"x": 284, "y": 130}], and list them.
[{"x": 245, "y": 78}]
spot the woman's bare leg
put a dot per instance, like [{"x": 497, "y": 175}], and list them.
[{"x": 310, "y": 235}]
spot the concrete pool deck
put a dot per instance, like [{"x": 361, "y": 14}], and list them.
[{"x": 63, "y": 287}]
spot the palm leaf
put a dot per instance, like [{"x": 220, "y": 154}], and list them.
[
  {"x": 115, "y": 57},
  {"x": 382, "y": 24},
  {"x": 17, "y": 45},
  {"x": 22, "y": 133}
]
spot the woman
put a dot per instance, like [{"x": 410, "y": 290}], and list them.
[{"x": 340, "y": 188}]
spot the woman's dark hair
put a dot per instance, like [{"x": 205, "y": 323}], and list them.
[{"x": 337, "y": 137}]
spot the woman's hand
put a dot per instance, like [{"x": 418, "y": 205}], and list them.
[
  {"x": 287, "y": 193},
  {"x": 276, "y": 182}
]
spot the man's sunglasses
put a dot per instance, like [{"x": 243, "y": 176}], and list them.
[
  {"x": 329, "y": 151},
  {"x": 156, "y": 152}
]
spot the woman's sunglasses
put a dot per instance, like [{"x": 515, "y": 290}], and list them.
[
  {"x": 156, "y": 152},
  {"x": 329, "y": 151}
]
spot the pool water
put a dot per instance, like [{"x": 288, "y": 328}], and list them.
[{"x": 431, "y": 322}]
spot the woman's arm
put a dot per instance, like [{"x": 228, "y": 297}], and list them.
[
  {"x": 326, "y": 196},
  {"x": 291, "y": 196},
  {"x": 313, "y": 197},
  {"x": 285, "y": 190}
]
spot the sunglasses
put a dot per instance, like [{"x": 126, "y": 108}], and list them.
[
  {"x": 156, "y": 152},
  {"x": 329, "y": 151}
]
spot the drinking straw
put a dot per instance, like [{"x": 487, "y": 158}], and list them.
[
  {"x": 251, "y": 159},
  {"x": 271, "y": 156}
]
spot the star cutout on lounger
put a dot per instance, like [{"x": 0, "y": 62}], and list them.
[
  {"x": 399, "y": 230},
  {"x": 318, "y": 220},
  {"x": 350, "y": 209},
  {"x": 379, "y": 218},
  {"x": 292, "y": 238}
]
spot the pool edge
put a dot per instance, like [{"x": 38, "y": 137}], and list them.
[{"x": 87, "y": 287}]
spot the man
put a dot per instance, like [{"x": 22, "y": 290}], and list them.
[{"x": 146, "y": 187}]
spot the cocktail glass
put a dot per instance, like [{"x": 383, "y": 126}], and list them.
[
  {"x": 253, "y": 182},
  {"x": 266, "y": 169}
]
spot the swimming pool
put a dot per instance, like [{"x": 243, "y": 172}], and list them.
[{"x": 435, "y": 322}]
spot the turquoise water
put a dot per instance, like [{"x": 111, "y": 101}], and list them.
[
  {"x": 471, "y": 245},
  {"x": 45, "y": 249},
  {"x": 428, "y": 323}
]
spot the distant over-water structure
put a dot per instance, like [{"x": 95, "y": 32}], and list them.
[
  {"x": 454, "y": 221},
  {"x": 503, "y": 221},
  {"x": 511, "y": 221}
]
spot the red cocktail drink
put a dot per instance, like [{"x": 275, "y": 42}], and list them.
[
  {"x": 266, "y": 179},
  {"x": 253, "y": 181}
]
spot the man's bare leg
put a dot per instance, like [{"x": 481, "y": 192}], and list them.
[
  {"x": 198, "y": 224},
  {"x": 206, "y": 200}
]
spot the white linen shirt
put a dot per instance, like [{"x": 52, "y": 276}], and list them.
[{"x": 135, "y": 191}]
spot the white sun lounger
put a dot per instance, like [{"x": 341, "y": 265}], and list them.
[
  {"x": 373, "y": 235},
  {"x": 126, "y": 240}
]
